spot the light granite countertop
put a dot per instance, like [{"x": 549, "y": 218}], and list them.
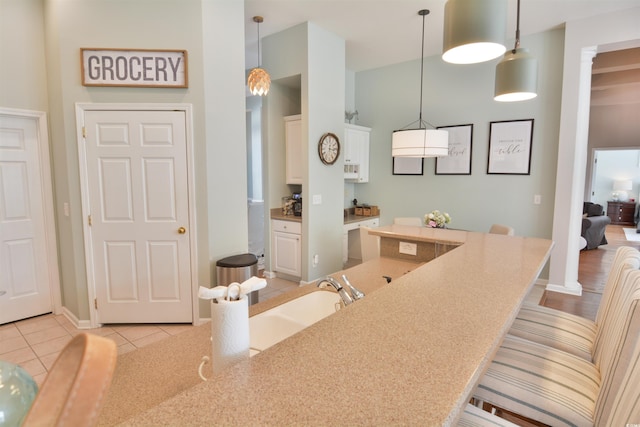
[{"x": 410, "y": 352}]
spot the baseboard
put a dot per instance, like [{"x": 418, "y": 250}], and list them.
[
  {"x": 269, "y": 274},
  {"x": 80, "y": 324}
]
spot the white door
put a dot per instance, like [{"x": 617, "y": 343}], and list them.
[
  {"x": 26, "y": 272},
  {"x": 139, "y": 215}
]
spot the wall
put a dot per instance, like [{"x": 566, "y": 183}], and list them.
[
  {"x": 317, "y": 57},
  {"x": 211, "y": 31},
  {"x": 388, "y": 99},
  {"x": 614, "y": 165}
]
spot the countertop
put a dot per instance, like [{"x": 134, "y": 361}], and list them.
[
  {"x": 410, "y": 352},
  {"x": 276, "y": 213}
]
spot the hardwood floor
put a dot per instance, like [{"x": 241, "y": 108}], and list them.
[{"x": 592, "y": 274}]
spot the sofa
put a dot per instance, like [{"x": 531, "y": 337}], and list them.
[{"x": 594, "y": 224}]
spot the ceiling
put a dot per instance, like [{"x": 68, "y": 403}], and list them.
[{"x": 383, "y": 32}]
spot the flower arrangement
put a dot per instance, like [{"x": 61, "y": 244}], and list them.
[{"x": 436, "y": 219}]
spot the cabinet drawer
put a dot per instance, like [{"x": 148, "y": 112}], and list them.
[{"x": 286, "y": 226}]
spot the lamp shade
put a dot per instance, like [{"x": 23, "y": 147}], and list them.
[
  {"x": 420, "y": 143},
  {"x": 259, "y": 81},
  {"x": 516, "y": 76},
  {"x": 623, "y": 185},
  {"x": 473, "y": 30}
]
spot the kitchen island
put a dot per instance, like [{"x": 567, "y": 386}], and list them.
[{"x": 410, "y": 352}]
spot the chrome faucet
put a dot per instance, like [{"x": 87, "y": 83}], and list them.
[
  {"x": 356, "y": 293},
  {"x": 346, "y": 299}
]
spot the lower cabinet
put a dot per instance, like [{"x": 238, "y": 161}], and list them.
[{"x": 286, "y": 247}]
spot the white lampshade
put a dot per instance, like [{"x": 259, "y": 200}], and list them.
[
  {"x": 516, "y": 76},
  {"x": 623, "y": 185},
  {"x": 420, "y": 143},
  {"x": 474, "y": 30}
]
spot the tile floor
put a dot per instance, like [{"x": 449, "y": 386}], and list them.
[{"x": 35, "y": 343}]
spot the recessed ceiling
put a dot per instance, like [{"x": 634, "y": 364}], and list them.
[{"x": 378, "y": 33}]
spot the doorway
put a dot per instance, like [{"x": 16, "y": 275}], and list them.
[
  {"x": 29, "y": 280},
  {"x": 138, "y": 201},
  {"x": 609, "y": 165}
]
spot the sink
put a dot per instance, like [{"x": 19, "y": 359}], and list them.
[{"x": 274, "y": 325}]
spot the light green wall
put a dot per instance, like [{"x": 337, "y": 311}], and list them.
[
  {"x": 388, "y": 99},
  {"x": 23, "y": 82},
  {"x": 318, "y": 58},
  {"x": 211, "y": 31}
]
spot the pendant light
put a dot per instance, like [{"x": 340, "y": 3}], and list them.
[
  {"x": 420, "y": 142},
  {"x": 516, "y": 73},
  {"x": 259, "y": 80},
  {"x": 474, "y": 30}
]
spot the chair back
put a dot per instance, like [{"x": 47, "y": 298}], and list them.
[
  {"x": 74, "y": 389},
  {"x": 617, "y": 355},
  {"x": 417, "y": 221},
  {"x": 369, "y": 244},
  {"x": 501, "y": 229},
  {"x": 625, "y": 257}
]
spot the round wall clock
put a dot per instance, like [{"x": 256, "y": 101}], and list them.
[{"x": 329, "y": 148}]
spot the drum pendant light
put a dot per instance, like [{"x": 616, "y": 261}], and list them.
[
  {"x": 421, "y": 142},
  {"x": 474, "y": 30},
  {"x": 516, "y": 73},
  {"x": 259, "y": 80}
]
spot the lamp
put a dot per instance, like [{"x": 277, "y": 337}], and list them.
[
  {"x": 474, "y": 30},
  {"x": 420, "y": 142},
  {"x": 621, "y": 188},
  {"x": 259, "y": 80},
  {"x": 516, "y": 73}
]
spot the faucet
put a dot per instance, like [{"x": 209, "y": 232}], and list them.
[
  {"x": 355, "y": 292},
  {"x": 346, "y": 299}
]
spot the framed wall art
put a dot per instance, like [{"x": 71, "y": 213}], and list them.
[
  {"x": 458, "y": 162},
  {"x": 510, "y": 147},
  {"x": 408, "y": 165}
]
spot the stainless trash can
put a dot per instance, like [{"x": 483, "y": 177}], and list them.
[{"x": 238, "y": 268}]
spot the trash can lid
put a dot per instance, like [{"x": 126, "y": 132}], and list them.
[{"x": 243, "y": 260}]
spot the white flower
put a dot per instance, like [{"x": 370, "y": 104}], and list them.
[{"x": 437, "y": 219}]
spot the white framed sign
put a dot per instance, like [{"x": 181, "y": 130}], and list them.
[
  {"x": 458, "y": 162},
  {"x": 510, "y": 147},
  {"x": 134, "y": 68}
]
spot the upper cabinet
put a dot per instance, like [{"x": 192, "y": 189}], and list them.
[
  {"x": 293, "y": 141},
  {"x": 356, "y": 153}
]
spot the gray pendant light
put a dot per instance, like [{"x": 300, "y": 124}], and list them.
[
  {"x": 474, "y": 30},
  {"x": 516, "y": 73},
  {"x": 420, "y": 142}
]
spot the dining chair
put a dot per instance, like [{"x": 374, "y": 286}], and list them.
[
  {"x": 569, "y": 332},
  {"x": 74, "y": 389},
  {"x": 557, "y": 388},
  {"x": 476, "y": 417},
  {"x": 501, "y": 229},
  {"x": 417, "y": 221},
  {"x": 369, "y": 244}
]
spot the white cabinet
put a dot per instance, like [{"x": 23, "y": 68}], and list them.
[
  {"x": 286, "y": 247},
  {"x": 356, "y": 153},
  {"x": 352, "y": 246},
  {"x": 293, "y": 147}
]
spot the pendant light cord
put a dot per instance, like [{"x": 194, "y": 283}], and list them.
[
  {"x": 422, "y": 12},
  {"x": 517, "y": 45}
]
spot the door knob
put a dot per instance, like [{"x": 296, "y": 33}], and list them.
[{"x": 182, "y": 230}]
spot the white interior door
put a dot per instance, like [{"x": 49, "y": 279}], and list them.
[
  {"x": 27, "y": 268},
  {"x": 139, "y": 215}
]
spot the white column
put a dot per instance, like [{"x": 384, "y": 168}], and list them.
[{"x": 572, "y": 161}]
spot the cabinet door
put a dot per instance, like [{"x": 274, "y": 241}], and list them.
[
  {"x": 356, "y": 159},
  {"x": 293, "y": 141},
  {"x": 288, "y": 253}
]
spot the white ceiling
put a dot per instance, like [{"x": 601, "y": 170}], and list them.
[{"x": 384, "y": 32}]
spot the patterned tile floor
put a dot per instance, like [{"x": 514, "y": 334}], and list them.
[{"x": 35, "y": 343}]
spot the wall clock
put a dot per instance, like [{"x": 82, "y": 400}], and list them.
[{"x": 329, "y": 148}]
